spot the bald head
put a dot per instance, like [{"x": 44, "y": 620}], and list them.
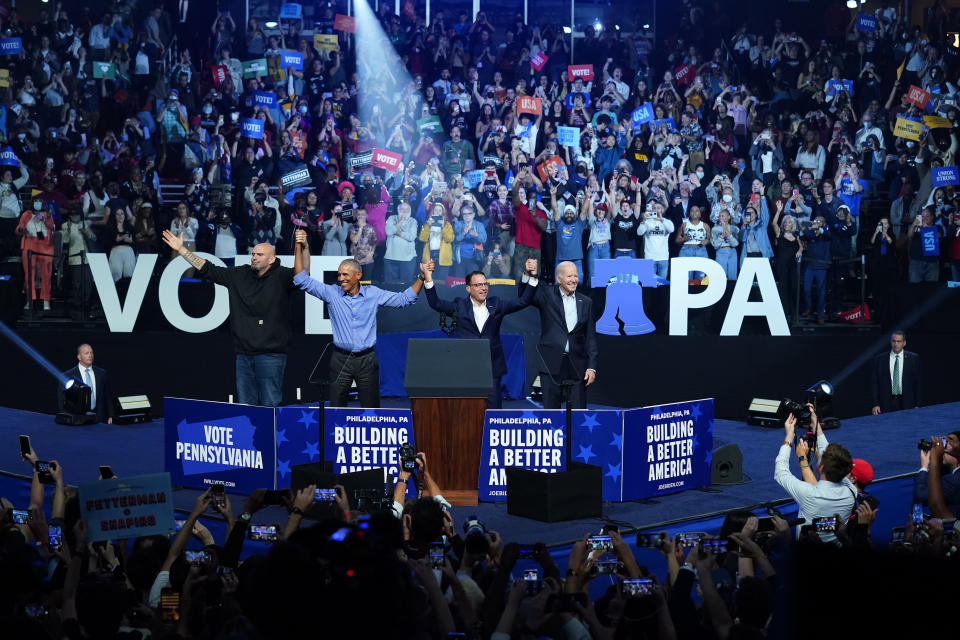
[{"x": 262, "y": 257}]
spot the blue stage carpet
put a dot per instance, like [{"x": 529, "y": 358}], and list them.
[{"x": 888, "y": 442}]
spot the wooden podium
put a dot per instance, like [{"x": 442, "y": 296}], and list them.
[{"x": 448, "y": 381}]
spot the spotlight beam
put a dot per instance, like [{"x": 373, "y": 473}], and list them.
[{"x": 33, "y": 353}]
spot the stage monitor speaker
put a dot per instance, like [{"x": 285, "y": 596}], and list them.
[
  {"x": 763, "y": 412},
  {"x": 573, "y": 494},
  {"x": 131, "y": 409},
  {"x": 365, "y": 489},
  {"x": 726, "y": 467}
]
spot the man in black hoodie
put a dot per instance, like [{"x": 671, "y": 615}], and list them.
[{"x": 259, "y": 318}]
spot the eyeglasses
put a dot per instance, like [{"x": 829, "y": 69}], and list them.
[{"x": 479, "y": 285}]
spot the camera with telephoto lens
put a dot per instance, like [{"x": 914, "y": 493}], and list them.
[
  {"x": 475, "y": 535},
  {"x": 408, "y": 458},
  {"x": 925, "y": 445}
]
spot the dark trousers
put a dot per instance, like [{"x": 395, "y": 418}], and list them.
[
  {"x": 345, "y": 368},
  {"x": 495, "y": 399},
  {"x": 552, "y": 391},
  {"x": 893, "y": 403}
]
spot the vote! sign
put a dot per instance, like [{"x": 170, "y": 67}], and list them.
[
  {"x": 10, "y": 46},
  {"x": 8, "y": 157},
  {"x": 219, "y": 73},
  {"x": 252, "y": 128},
  {"x": 866, "y": 23},
  {"x": 291, "y": 59},
  {"x": 942, "y": 176},
  {"x": 538, "y": 60},
  {"x": 265, "y": 98},
  {"x": 127, "y": 507},
  {"x": 582, "y": 71},
  {"x": 344, "y": 23},
  {"x": 213, "y": 442},
  {"x": 388, "y": 160},
  {"x": 291, "y": 11},
  {"x": 642, "y": 114},
  {"x": 529, "y": 105},
  {"x": 917, "y": 96},
  {"x": 683, "y": 74}
]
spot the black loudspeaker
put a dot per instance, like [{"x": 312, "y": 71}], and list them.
[
  {"x": 573, "y": 494},
  {"x": 763, "y": 412},
  {"x": 727, "y": 465},
  {"x": 366, "y": 487}
]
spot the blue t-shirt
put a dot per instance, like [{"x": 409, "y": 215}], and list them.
[
  {"x": 570, "y": 240},
  {"x": 849, "y": 197}
]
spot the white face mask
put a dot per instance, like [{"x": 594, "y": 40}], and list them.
[
  {"x": 727, "y": 197},
  {"x": 700, "y": 175},
  {"x": 37, "y": 206}
]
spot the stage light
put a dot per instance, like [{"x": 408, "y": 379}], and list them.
[
  {"x": 597, "y": 26},
  {"x": 851, "y": 4},
  {"x": 567, "y": 30},
  {"x": 820, "y": 395},
  {"x": 646, "y": 27},
  {"x": 270, "y": 25},
  {"x": 76, "y": 404},
  {"x": 822, "y": 386}
]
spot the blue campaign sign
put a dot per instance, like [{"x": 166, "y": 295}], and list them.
[
  {"x": 473, "y": 178},
  {"x": 252, "y": 128},
  {"x": 669, "y": 448},
  {"x": 361, "y": 439},
  {"x": 598, "y": 440},
  {"x": 568, "y": 136},
  {"x": 291, "y": 59},
  {"x": 930, "y": 241},
  {"x": 291, "y": 11},
  {"x": 526, "y": 439},
  {"x": 866, "y": 23},
  {"x": 298, "y": 439},
  {"x": 942, "y": 176},
  {"x": 671, "y": 123},
  {"x": 265, "y": 98},
  {"x": 211, "y": 442},
  {"x": 10, "y": 46},
  {"x": 127, "y": 507},
  {"x": 642, "y": 114},
  {"x": 8, "y": 157}
]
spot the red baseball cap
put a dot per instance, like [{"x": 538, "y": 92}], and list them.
[{"x": 862, "y": 471}]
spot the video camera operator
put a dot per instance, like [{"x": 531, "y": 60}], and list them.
[
  {"x": 834, "y": 494},
  {"x": 424, "y": 518}
]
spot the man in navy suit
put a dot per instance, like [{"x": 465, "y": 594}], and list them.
[
  {"x": 480, "y": 317},
  {"x": 895, "y": 377},
  {"x": 568, "y": 338},
  {"x": 94, "y": 377}
]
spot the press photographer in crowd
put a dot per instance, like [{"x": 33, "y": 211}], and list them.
[{"x": 943, "y": 474}]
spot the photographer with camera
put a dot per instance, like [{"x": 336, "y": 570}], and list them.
[
  {"x": 944, "y": 472},
  {"x": 833, "y": 494}
]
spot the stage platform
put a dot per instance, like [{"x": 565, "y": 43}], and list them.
[{"x": 888, "y": 442}]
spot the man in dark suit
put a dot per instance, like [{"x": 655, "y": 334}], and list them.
[
  {"x": 94, "y": 377},
  {"x": 480, "y": 317},
  {"x": 895, "y": 377},
  {"x": 568, "y": 339}
]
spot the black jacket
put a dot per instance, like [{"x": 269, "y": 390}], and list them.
[
  {"x": 554, "y": 335},
  {"x": 467, "y": 326},
  {"x": 259, "y": 306},
  {"x": 881, "y": 384},
  {"x": 104, "y": 408}
]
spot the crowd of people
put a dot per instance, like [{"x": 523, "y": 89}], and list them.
[
  {"x": 709, "y": 138},
  {"x": 405, "y": 568}
]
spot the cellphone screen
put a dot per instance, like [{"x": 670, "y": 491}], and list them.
[
  {"x": 170, "y": 605},
  {"x": 531, "y": 575},
  {"x": 637, "y": 587},
  {"x": 436, "y": 555},
  {"x": 606, "y": 566},
  {"x": 825, "y": 524},
  {"x": 263, "y": 532},
  {"x": 599, "y": 543},
  {"x": 325, "y": 495},
  {"x": 219, "y": 498},
  {"x": 24, "y": 446},
  {"x": 196, "y": 557},
  {"x": 898, "y": 534},
  {"x": 688, "y": 540},
  {"x": 21, "y": 516},
  {"x": 55, "y": 536}
]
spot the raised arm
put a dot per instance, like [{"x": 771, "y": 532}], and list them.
[{"x": 176, "y": 243}]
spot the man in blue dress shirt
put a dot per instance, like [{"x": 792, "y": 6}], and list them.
[{"x": 353, "y": 314}]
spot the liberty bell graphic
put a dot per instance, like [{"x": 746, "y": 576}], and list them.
[{"x": 624, "y": 279}]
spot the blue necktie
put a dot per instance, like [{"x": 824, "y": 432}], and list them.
[{"x": 89, "y": 383}]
